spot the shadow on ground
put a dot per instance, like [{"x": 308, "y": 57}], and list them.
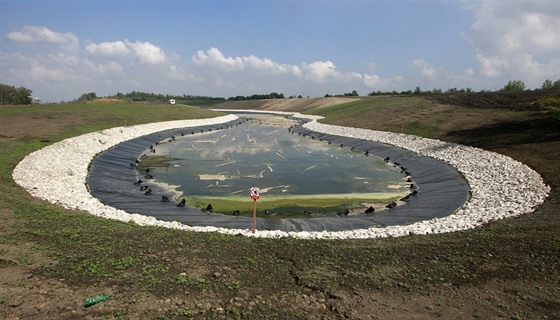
[{"x": 539, "y": 129}]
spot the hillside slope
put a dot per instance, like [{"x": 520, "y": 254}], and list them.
[
  {"x": 519, "y": 101},
  {"x": 298, "y": 105}
]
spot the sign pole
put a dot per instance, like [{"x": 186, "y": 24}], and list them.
[
  {"x": 254, "y": 196},
  {"x": 254, "y": 215}
]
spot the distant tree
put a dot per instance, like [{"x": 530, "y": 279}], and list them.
[
  {"x": 13, "y": 95},
  {"x": 24, "y": 95},
  {"x": 87, "y": 97},
  {"x": 354, "y": 93},
  {"x": 437, "y": 91},
  {"x": 274, "y": 95},
  {"x": 549, "y": 85},
  {"x": 417, "y": 90},
  {"x": 514, "y": 85}
]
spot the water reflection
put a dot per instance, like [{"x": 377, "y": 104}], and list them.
[{"x": 229, "y": 162}]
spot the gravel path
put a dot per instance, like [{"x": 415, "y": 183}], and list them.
[{"x": 501, "y": 187}]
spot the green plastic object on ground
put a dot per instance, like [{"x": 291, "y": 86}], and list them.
[{"x": 91, "y": 301}]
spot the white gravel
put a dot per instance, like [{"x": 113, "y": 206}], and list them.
[{"x": 501, "y": 187}]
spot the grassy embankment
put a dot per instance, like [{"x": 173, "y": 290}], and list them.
[{"x": 508, "y": 269}]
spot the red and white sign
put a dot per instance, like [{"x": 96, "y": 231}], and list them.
[{"x": 254, "y": 193}]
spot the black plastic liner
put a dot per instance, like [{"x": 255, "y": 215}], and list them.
[{"x": 440, "y": 188}]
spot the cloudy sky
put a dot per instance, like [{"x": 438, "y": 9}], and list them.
[{"x": 63, "y": 48}]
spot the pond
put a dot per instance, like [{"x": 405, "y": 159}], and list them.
[{"x": 296, "y": 175}]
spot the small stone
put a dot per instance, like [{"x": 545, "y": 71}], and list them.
[{"x": 15, "y": 302}]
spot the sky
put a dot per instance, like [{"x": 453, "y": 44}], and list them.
[{"x": 61, "y": 49}]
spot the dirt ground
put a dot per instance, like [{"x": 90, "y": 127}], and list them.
[{"x": 507, "y": 270}]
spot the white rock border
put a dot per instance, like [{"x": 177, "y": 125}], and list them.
[{"x": 501, "y": 187}]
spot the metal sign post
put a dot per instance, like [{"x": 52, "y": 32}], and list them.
[{"x": 255, "y": 197}]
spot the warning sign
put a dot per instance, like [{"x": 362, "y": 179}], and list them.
[{"x": 254, "y": 193}]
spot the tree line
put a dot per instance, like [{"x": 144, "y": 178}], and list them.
[
  {"x": 354, "y": 93},
  {"x": 272, "y": 95},
  {"x": 13, "y": 95},
  {"x": 10, "y": 95},
  {"x": 144, "y": 96},
  {"x": 512, "y": 85}
]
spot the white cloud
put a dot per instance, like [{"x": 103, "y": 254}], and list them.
[
  {"x": 491, "y": 66},
  {"x": 147, "y": 52},
  {"x": 175, "y": 73},
  {"x": 506, "y": 27},
  {"x": 264, "y": 64},
  {"x": 110, "y": 68},
  {"x": 320, "y": 71},
  {"x": 236, "y": 73},
  {"x": 46, "y": 73},
  {"x": 49, "y": 69},
  {"x": 140, "y": 52},
  {"x": 42, "y": 35},
  {"x": 516, "y": 39},
  {"x": 373, "y": 81},
  {"x": 116, "y": 48},
  {"x": 376, "y": 82},
  {"x": 215, "y": 59},
  {"x": 425, "y": 68}
]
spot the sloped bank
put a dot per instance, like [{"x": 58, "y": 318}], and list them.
[{"x": 501, "y": 187}]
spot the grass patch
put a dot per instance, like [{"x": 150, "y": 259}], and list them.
[
  {"x": 552, "y": 102},
  {"x": 155, "y": 162},
  {"x": 555, "y": 113},
  {"x": 292, "y": 206},
  {"x": 356, "y": 109},
  {"x": 420, "y": 129},
  {"x": 75, "y": 119}
]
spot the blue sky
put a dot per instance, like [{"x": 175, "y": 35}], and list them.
[{"x": 61, "y": 49}]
